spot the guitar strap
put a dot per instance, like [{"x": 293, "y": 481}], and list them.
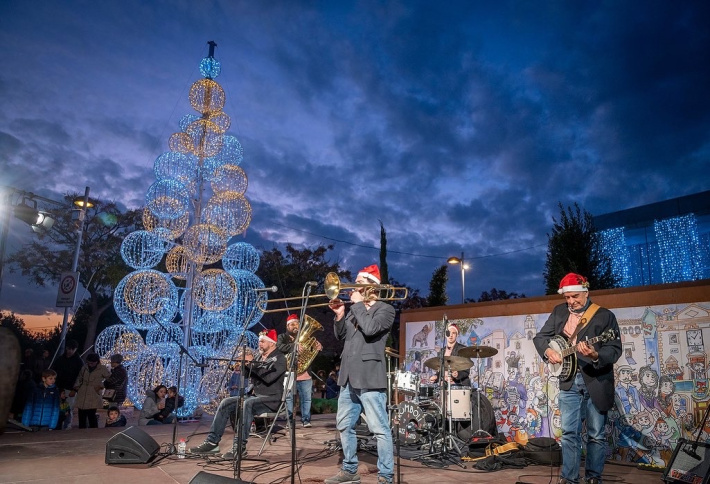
[{"x": 588, "y": 314}]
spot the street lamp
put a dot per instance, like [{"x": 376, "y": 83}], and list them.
[{"x": 464, "y": 266}]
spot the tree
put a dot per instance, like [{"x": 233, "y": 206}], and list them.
[
  {"x": 100, "y": 264},
  {"x": 573, "y": 246},
  {"x": 437, "y": 287},
  {"x": 496, "y": 295},
  {"x": 17, "y": 326},
  {"x": 384, "y": 272}
]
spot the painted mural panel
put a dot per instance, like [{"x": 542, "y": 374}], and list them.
[{"x": 661, "y": 378}]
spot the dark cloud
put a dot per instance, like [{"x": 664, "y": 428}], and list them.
[{"x": 459, "y": 126}]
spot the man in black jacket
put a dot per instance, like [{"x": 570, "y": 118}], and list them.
[
  {"x": 590, "y": 391},
  {"x": 363, "y": 377},
  {"x": 68, "y": 367},
  {"x": 267, "y": 374}
]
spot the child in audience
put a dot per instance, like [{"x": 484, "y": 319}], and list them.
[
  {"x": 166, "y": 415},
  {"x": 42, "y": 408},
  {"x": 64, "y": 412},
  {"x": 114, "y": 418}
]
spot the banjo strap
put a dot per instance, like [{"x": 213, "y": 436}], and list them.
[{"x": 588, "y": 314}]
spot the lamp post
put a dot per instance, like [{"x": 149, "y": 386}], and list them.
[
  {"x": 82, "y": 205},
  {"x": 464, "y": 266}
]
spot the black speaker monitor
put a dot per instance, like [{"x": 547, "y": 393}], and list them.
[
  {"x": 203, "y": 477},
  {"x": 131, "y": 446},
  {"x": 690, "y": 463}
]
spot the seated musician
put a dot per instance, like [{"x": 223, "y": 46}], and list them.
[{"x": 452, "y": 348}]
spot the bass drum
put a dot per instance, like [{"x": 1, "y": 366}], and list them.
[
  {"x": 416, "y": 423},
  {"x": 465, "y": 429}
]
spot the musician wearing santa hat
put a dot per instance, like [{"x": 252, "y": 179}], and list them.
[
  {"x": 304, "y": 382},
  {"x": 267, "y": 375},
  {"x": 590, "y": 390},
  {"x": 363, "y": 378}
]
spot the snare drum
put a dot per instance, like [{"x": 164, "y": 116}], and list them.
[
  {"x": 460, "y": 403},
  {"x": 406, "y": 382}
]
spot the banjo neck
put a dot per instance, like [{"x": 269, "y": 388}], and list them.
[{"x": 573, "y": 348}]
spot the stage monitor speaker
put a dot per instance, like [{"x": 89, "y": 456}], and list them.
[
  {"x": 131, "y": 446},
  {"x": 203, "y": 477},
  {"x": 690, "y": 463}
]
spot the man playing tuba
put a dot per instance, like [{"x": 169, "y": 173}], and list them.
[{"x": 304, "y": 382}]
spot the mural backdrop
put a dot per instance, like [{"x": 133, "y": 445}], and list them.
[{"x": 661, "y": 378}]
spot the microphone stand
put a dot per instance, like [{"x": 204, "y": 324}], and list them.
[
  {"x": 692, "y": 452},
  {"x": 183, "y": 351}
]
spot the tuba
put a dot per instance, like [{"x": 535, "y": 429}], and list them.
[{"x": 308, "y": 351}]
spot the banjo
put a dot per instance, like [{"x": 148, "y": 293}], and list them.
[{"x": 568, "y": 367}]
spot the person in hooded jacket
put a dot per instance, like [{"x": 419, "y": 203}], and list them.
[
  {"x": 88, "y": 388},
  {"x": 153, "y": 404}
]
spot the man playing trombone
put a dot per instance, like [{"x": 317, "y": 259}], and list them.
[{"x": 363, "y": 376}]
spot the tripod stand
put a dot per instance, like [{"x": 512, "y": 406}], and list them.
[{"x": 478, "y": 352}]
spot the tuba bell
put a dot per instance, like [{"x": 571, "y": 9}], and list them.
[{"x": 308, "y": 344}]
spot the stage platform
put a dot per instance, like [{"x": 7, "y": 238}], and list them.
[{"x": 77, "y": 456}]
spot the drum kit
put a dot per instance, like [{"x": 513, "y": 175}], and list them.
[{"x": 429, "y": 412}]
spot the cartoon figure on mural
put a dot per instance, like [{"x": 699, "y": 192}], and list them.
[
  {"x": 515, "y": 393},
  {"x": 648, "y": 379},
  {"x": 421, "y": 338},
  {"x": 626, "y": 393}
]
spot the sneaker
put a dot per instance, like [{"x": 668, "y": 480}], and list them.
[
  {"x": 343, "y": 477},
  {"x": 307, "y": 425},
  {"x": 592, "y": 480},
  {"x": 383, "y": 480},
  {"x": 205, "y": 447},
  {"x": 230, "y": 455}
]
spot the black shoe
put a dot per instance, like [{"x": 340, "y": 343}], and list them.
[
  {"x": 230, "y": 455},
  {"x": 205, "y": 447},
  {"x": 592, "y": 480}
]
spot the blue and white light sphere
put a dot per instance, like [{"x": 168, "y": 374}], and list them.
[
  {"x": 167, "y": 198},
  {"x": 210, "y": 67},
  {"x": 142, "y": 249},
  {"x": 241, "y": 256}
]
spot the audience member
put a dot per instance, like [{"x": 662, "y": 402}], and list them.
[
  {"x": 171, "y": 400},
  {"x": 42, "y": 407},
  {"x": 68, "y": 367},
  {"x": 24, "y": 388},
  {"x": 332, "y": 389},
  {"x": 88, "y": 388},
  {"x": 41, "y": 364},
  {"x": 118, "y": 381},
  {"x": 321, "y": 383},
  {"x": 65, "y": 416},
  {"x": 152, "y": 405},
  {"x": 114, "y": 418}
]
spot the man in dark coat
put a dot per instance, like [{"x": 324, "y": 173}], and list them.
[
  {"x": 363, "y": 377},
  {"x": 68, "y": 367},
  {"x": 591, "y": 390}
]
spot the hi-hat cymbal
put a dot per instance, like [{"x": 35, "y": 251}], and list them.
[
  {"x": 477, "y": 352},
  {"x": 390, "y": 352},
  {"x": 454, "y": 363}
]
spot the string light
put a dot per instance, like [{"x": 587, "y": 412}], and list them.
[
  {"x": 142, "y": 249},
  {"x": 613, "y": 243},
  {"x": 679, "y": 249}
]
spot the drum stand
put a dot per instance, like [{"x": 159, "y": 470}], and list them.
[
  {"x": 480, "y": 433},
  {"x": 448, "y": 442}
]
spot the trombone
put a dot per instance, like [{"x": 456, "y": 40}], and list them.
[{"x": 333, "y": 288}]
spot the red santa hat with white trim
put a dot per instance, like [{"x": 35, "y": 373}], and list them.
[
  {"x": 269, "y": 335},
  {"x": 292, "y": 318},
  {"x": 371, "y": 273},
  {"x": 573, "y": 283}
]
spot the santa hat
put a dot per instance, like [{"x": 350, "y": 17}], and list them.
[
  {"x": 371, "y": 273},
  {"x": 573, "y": 283},
  {"x": 453, "y": 325},
  {"x": 292, "y": 317},
  {"x": 269, "y": 335}
]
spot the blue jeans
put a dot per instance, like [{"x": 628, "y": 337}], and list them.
[
  {"x": 351, "y": 402},
  {"x": 575, "y": 406},
  {"x": 304, "y": 389},
  {"x": 252, "y": 406}
]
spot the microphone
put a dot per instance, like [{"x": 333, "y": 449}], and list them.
[
  {"x": 691, "y": 452},
  {"x": 266, "y": 289},
  {"x": 312, "y": 283}
]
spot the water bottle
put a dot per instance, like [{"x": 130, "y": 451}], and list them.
[{"x": 182, "y": 446}]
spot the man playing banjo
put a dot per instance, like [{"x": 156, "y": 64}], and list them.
[{"x": 587, "y": 388}]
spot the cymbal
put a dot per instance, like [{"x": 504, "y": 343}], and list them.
[
  {"x": 477, "y": 351},
  {"x": 455, "y": 363},
  {"x": 390, "y": 352}
]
